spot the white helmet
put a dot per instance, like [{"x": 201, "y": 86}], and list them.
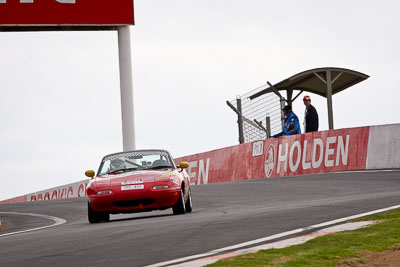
[{"x": 117, "y": 164}]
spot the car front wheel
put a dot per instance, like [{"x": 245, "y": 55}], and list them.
[
  {"x": 189, "y": 204},
  {"x": 96, "y": 217},
  {"x": 179, "y": 207}
]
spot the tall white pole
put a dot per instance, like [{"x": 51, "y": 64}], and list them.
[{"x": 125, "y": 73}]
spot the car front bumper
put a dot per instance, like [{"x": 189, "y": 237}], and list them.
[{"x": 134, "y": 200}]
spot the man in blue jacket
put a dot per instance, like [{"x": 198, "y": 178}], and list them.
[{"x": 292, "y": 125}]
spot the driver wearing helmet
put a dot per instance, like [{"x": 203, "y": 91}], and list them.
[{"x": 117, "y": 164}]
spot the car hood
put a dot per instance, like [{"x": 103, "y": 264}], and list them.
[{"x": 136, "y": 177}]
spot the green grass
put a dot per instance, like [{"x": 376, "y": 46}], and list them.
[{"x": 330, "y": 249}]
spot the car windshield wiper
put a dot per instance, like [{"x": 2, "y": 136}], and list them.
[
  {"x": 132, "y": 169},
  {"x": 160, "y": 167},
  {"x": 123, "y": 170},
  {"x": 115, "y": 171}
]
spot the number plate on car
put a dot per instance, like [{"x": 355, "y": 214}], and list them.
[{"x": 132, "y": 187}]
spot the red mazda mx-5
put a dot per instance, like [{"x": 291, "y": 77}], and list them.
[{"x": 137, "y": 181}]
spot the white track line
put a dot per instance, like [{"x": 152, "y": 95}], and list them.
[
  {"x": 57, "y": 221},
  {"x": 392, "y": 170},
  {"x": 272, "y": 237}
]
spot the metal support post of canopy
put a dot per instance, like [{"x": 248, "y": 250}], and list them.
[
  {"x": 329, "y": 82},
  {"x": 329, "y": 98}
]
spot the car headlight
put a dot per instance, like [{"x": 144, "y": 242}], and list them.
[
  {"x": 158, "y": 187},
  {"x": 104, "y": 192},
  {"x": 175, "y": 181}
]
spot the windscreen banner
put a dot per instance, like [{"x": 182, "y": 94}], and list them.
[
  {"x": 317, "y": 152},
  {"x": 66, "y": 12}
]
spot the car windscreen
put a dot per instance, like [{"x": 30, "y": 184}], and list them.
[{"x": 134, "y": 161}]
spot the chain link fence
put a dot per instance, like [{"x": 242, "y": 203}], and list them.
[{"x": 259, "y": 118}]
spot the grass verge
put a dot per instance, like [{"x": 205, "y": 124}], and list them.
[{"x": 328, "y": 250}]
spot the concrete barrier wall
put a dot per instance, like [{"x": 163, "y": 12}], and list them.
[
  {"x": 77, "y": 189},
  {"x": 66, "y": 191},
  {"x": 384, "y": 147},
  {"x": 15, "y": 200},
  {"x": 376, "y": 147}
]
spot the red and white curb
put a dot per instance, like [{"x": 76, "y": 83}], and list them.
[
  {"x": 57, "y": 221},
  {"x": 279, "y": 244},
  {"x": 215, "y": 255}
]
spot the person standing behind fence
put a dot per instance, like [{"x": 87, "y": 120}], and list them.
[
  {"x": 310, "y": 116},
  {"x": 292, "y": 125}
]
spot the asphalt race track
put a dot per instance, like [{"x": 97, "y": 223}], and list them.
[{"x": 224, "y": 214}]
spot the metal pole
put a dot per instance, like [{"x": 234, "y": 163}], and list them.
[
  {"x": 240, "y": 120},
  {"x": 283, "y": 102},
  {"x": 289, "y": 95},
  {"x": 268, "y": 125},
  {"x": 125, "y": 72},
  {"x": 329, "y": 98}
]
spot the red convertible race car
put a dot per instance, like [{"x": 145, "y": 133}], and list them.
[{"x": 137, "y": 181}]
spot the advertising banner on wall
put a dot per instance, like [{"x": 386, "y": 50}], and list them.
[
  {"x": 66, "y": 12},
  {"x": 77, "y": 189},
  {"x": 318, "y": 152}
]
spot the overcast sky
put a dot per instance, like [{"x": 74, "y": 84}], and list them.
[{"x": 60, "y": 101}]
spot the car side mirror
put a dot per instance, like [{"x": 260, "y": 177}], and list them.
[
  {"x": 183, "y": 165},
  {"x": 89, "y": 174}
]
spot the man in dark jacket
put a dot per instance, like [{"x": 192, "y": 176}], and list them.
[{"x": 310, "y": 116}]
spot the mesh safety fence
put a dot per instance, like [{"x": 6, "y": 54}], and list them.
[{"x": 267, "y": 105}]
